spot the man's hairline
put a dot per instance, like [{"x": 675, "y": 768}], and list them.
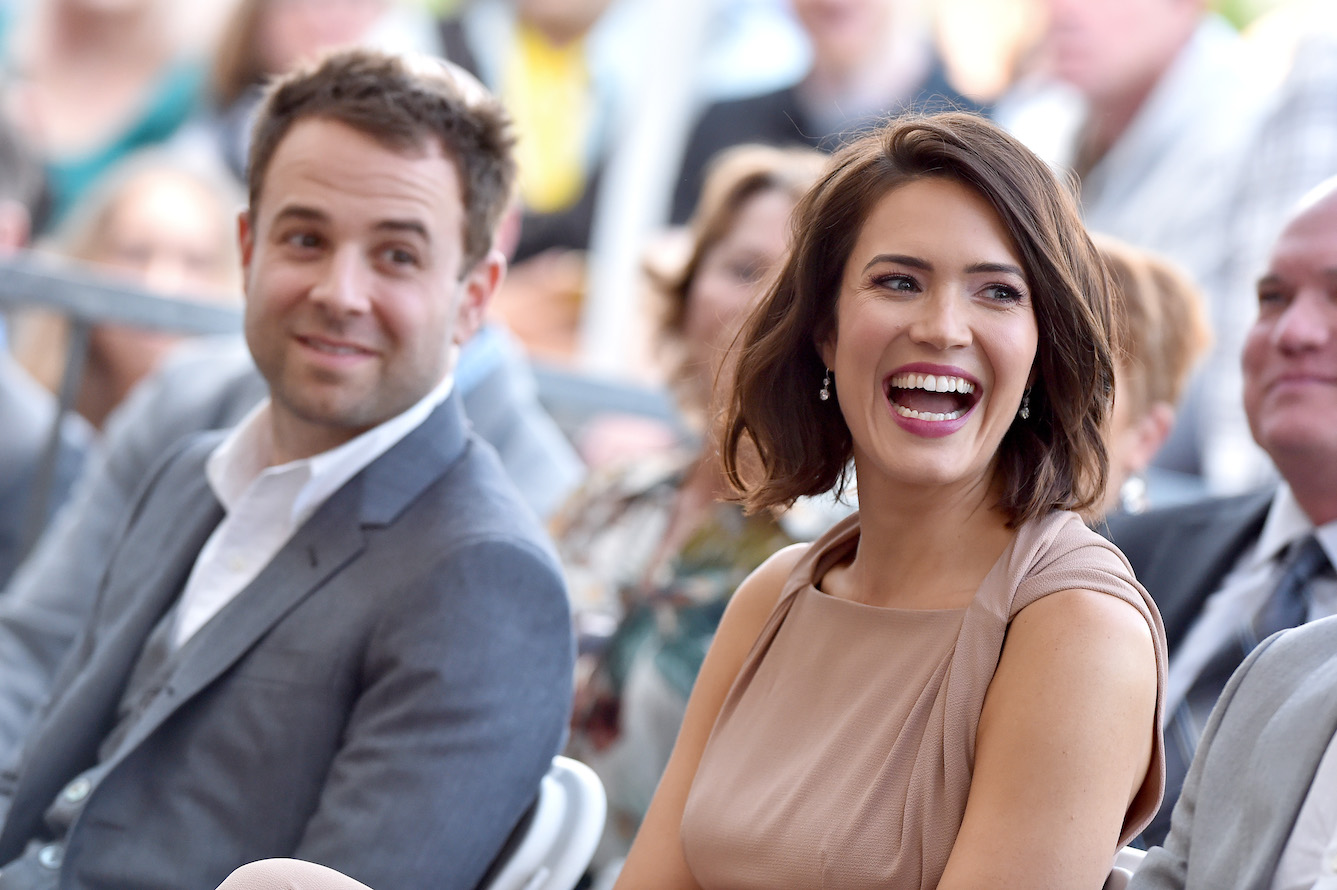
[{"x": 421, "y": 147}]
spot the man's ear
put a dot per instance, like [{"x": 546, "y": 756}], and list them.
[
  {"x": 477, "y": 289},
  {"x": 245, "y": 242}
]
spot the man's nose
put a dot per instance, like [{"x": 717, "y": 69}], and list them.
[
  {"x": 342, "y": 285},
  {"x": 1308, "y": 322}
]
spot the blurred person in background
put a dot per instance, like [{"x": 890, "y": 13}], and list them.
[
  {"x": 265, "y": 38},
  {"x": 1171, "y": 104},
  {"x": 91, "y": 81},
  {"x": 1295, "y": 149},
  {"x": 155, "y": 221},
  {"x": 28, "y": 411},
  {"x": 1162, "y": 330},
  {"x": 558, "y": 67},
  {"x": 870, "y": 59},
  {"x": 649, "y": 546}
]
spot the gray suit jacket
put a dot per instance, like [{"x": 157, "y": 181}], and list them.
[
  {"x": 211, "y": 384},
  {"x": 382, "y": 699},
  {"x": 1254, "y": 765}
]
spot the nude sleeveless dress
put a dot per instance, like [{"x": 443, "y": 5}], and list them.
[{"x": 843, "y": 753}]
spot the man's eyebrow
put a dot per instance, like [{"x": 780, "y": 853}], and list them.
[
  {"x": 301, "y": 211},
  {"x": 404, "y": 226}
]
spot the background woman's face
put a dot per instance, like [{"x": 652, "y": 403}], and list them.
[{"x": 728, "y": 282}]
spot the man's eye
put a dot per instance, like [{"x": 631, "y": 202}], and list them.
[
  {"x": 400, "y": 257},
  {"x": 1270, "y": 297},
  {"x": 303, "y": 240}
]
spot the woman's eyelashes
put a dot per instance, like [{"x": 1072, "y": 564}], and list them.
[
  {"x": 900, "y": 282},
  {"x": 1005, "y": 293},
  {"x": 897, "y": 281}
]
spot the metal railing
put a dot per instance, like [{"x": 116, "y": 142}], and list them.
[{"x": 86, "y": 298}]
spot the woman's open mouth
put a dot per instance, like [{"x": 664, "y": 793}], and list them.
[{"x": 931, "y": 397}]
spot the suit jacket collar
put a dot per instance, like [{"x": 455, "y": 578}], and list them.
[{"x": 326, "y": 543}]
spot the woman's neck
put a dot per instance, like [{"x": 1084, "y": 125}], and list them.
[{"x": 923, "y": 548}]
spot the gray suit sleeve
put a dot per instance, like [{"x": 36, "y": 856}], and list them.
[
  {"x": 466, "y": 697},
  {"x": 1166, "y": 867}
]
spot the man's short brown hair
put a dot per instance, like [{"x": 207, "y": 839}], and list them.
[
  {"x": 403, "y": 102},
  {"x": 1056, "y": 459}
]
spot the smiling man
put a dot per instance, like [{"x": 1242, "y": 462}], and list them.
[
  {"x": 336, "y": 634},
  {"x": 1227, "y": 573}
]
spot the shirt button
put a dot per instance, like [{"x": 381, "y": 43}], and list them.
[
  {"x": 77, "y": 790},
  {"x": 51, "y": 856}
]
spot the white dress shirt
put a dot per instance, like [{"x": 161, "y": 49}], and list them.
[
  {"x": 1246, "y": 589},
  {"x": 1309, "y": 860},
  {"x": 264, "y": 505}
]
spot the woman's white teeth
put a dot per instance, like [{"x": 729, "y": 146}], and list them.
[
  {"x": 926, "y": 415},
  {"x": 932, "y": 383}
]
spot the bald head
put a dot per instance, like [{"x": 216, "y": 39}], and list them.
[{"x": 1290, "y": 355}]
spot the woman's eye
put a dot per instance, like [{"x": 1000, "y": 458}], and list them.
[
  {"x": 746, "y": 273},
  {"x": 898, "y": 283},
  {"x": 1003, "y": 293}
]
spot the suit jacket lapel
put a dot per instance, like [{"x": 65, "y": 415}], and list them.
[
  {"x": 1200, "y": 551},
  {"x": 326, "y": 543}
]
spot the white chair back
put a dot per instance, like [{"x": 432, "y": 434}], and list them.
[
  {"x": 1126, "y": 862},
  {"x": 564, "y": 830}
]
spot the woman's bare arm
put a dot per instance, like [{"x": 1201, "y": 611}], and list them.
[
  {"x": 656, "y": 860},
  {"x": 1064, "y": 742}
]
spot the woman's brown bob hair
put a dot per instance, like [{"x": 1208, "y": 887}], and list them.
[{"x": 781, "y": 442}]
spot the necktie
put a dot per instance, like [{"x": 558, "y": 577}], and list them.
[{"x": 1287, "y": 606}]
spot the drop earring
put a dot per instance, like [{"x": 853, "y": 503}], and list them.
[
  {"x": 1025, "y": 411},
  {"x": 825, "y": 392}
]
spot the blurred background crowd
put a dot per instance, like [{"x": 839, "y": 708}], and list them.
[{"x": 642, "y": 232}]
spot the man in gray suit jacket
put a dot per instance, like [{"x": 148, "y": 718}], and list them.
[
  {"x": 335, "y": 633},
  {"x": 1227, "y": 573},
  {"x": 1248, "y": 794}
]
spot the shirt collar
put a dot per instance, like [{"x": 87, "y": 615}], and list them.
[
  {"x": 244, "y": 455},
  {"x": 1286, "y": 523}
]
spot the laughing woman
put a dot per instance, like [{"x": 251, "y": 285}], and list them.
[{"x": 959, "y": 686}]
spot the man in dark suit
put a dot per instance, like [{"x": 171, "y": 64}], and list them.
[
  {"x": 1227, "y": 573},
  {"x": 335, "y": 633}
]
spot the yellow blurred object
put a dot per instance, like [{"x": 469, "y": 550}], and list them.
[{"x": 547, "y": 90}]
